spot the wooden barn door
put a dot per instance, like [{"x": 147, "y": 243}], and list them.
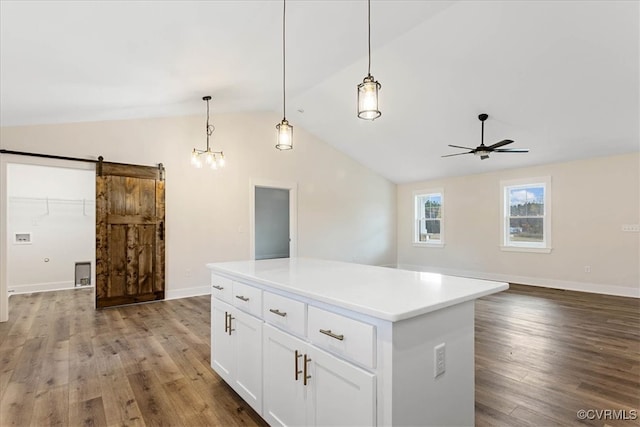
[{"x": 129, "y": 234}]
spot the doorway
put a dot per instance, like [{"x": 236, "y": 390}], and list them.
[
  {"x": 273, "y": 220},
  {"x": 44, "y": 206}
]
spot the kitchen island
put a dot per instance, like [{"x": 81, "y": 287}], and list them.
[{"x": 314, "y": 342}]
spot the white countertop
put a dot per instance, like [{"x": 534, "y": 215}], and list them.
[{"x": 384, "y": 293}]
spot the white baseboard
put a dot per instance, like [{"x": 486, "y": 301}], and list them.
[
  {"x": 60, "y": 286},
  {"x": 389, "y": 265},
  {"x": 187, "y": 292},
  {"x": 596, "y": 288},
  {"x": 42, "y": 287}
]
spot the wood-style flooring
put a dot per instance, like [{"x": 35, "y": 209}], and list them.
[{"x": 541, "y": 355}]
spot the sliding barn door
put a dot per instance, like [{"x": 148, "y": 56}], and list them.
[{"x": 129, "y": 234}]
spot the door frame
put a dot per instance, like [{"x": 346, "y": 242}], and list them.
[
  {"x": 6, "y": 159},
  {"x": 292, "y": 187}
]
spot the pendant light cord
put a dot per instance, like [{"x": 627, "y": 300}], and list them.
[
  {"x": 284, "y": 63},
  {"x": 369, "y": 34},
  {"x": 210, "y": 128}
]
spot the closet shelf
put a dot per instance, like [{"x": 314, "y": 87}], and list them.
[{"x": 53, "y": 200}]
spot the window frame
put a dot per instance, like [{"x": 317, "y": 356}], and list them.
[
  {"x": 414, "y": 239},
  {"x": 536, "y": 247}
]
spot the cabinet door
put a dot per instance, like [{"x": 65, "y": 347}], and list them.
[
  {"x": 222, "y": 349},
  {"x": 247, "y": 331},
  {"x": 284, "y": 396},
  {"x": 340, "y": 394}
]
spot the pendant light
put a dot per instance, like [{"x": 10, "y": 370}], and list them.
[
  {"x": 368, "y": 89},
  {"x": 284, "y": 131},
  {"x": 212, "y": 159}
]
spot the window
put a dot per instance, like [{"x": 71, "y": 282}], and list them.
[
  {"x": 428, "y": 225},
  {"x": 526, "y": 209}
]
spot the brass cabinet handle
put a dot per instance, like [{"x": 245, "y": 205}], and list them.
[
  {"x": 217, "y": 287},
  {"x": 226, "y": 322},
  {"x": 278, "y": 312},
  {"x": 298, "y": 372},
  {"x": 331, "y": 334},
  {"x": 243, "y": 298},
  {"x": 305, "y": 377}
]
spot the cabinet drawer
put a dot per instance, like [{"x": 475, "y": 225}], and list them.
[
  {"x": 221, "y": 287},
  {"x": 284, "y": 313},
  {"x": 343, "y": 336},
  {"x": 247, "y": 298}
]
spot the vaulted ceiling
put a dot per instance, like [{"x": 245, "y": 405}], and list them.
[{"x": 561, "y": 78}]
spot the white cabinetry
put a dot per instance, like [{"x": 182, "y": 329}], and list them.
[
  {"x": 236, "y": 351},
  {"x": 362, "y": 338},
  {"x": 284, "y": 393},
  {"x": 308, "y": 386}
]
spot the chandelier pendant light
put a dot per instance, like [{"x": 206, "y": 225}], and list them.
[
  {"x": 284, "y": 131},
  {"x": 212, "y": 159},
  {"x": 368, "y": 108}
]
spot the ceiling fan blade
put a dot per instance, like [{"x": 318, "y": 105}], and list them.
[
  {"x": 484, "y": 157},
  {"x": 458, "y": 146},
  {"x": 457, "y": 154},
  {"x": 512, "y": 150},
  {"x": 500, "y": 144}
]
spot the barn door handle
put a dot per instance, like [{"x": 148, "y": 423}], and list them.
[{"x": 161, "y": 231}]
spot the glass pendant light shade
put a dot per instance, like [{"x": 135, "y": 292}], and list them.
[
  {"x": 284, "y": 133},
  {"x": 368, "y": 108},
  {"x": 221, "y": 160},
  {"x": 194, "y": 158},
  {"x": 368, "y": 99},
  {"x": 209, "y": 157}
]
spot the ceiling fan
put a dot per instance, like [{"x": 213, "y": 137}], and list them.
[{"x": 484, "y": 150}]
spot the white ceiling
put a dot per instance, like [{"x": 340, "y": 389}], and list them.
[{"x": 561, "y": 78}]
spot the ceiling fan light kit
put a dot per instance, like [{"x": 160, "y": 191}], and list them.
[{"x": 482, "y": 150}]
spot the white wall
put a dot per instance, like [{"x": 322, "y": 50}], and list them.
[
  {"x": 62, "y": 228},
  {"x": 591, "y": 200},
  {"x": 345, "y": 211}
]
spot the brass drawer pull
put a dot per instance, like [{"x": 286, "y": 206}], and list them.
[
  {"x": 331, "y": 334},
  {"x": 298, "y": 372},
  {"x": 278, "y": 312},
  {"x": 217, "y": 287},
  {"x": 243, "y": 298}
]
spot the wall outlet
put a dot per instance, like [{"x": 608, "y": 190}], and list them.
[
  {"x": 439, "y": 364},
  {"x": 587, "y": 269},
  {"x": 631, "y": 228}
]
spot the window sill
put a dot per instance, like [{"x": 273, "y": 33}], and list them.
[
  {"x": 525, "y": 249},
  {"x": 428, "y": 245}
]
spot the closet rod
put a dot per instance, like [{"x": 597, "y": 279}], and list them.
[{"x": 46, "y": 156}]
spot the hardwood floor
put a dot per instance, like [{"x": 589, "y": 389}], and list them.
[
  {"x": 541, "y": 355},
  {"x": 544, "y": 354}
]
